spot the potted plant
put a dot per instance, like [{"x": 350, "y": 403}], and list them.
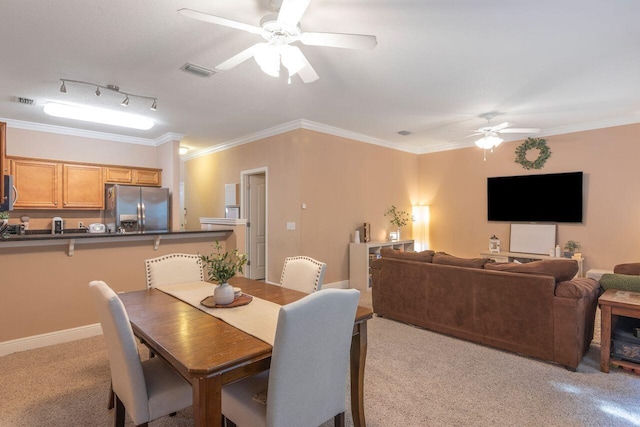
[
  {"x": 399, "y": 218},
  {"x": 4, "y": 220},
  {"x": 571, "y": 247},
  {"x": 222, "y": 266}
]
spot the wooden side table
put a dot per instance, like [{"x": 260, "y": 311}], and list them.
[{"x": 614, "y": 303}]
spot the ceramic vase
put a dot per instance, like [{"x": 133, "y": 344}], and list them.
[{"x": 223, "y": 294}]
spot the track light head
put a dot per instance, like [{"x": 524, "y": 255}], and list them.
[
  {"x": 154, "y": 106},
  {"x": 98, "y": 93},
  {"x": 126, "y": 101},
  {"x": 63, "y": 88}
]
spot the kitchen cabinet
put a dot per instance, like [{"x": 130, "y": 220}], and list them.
[
  {"x": 133, "y": 176},
  {"x": 82, "y": 187},
  {"x": 42, "y": 185},
  {"x": 37, "y": 183}
]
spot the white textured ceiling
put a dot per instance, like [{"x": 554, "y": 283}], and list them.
[{"x": 554, "y": 65}]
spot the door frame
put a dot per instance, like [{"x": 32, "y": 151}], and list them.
[{"x": 244, "y": 179}]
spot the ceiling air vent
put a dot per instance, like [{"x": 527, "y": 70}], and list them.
[
  {"x": 404, "y": 133},
  {"x": 196, "y": 70},
  {"x": 25, "y": 101}
]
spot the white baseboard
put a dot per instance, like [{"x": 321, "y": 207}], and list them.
[{"x": 51, "y": 338}]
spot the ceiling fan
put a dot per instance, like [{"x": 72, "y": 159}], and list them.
[
  {"x": 280, "y": 31},
  {"x": 490, "y": 133}
]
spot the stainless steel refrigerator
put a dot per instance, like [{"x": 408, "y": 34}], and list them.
[{"x": 131, "y": 209}]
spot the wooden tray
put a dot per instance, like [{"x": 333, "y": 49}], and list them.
[{"x": 243, "y": 299}]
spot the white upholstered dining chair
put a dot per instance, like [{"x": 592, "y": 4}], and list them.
[
  {"x": 174, "y": 268},
  {"x": 148, "y": 390},
  {"x": 303, "y": 273},
  {"x": 306, "y": 384}
]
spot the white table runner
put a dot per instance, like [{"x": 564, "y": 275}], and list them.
[{"x": 259, "y": 318}]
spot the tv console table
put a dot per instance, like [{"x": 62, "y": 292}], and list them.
[{"x": 522, "y": 257}]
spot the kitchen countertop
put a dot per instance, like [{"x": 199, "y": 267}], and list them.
[{"x": 37, "y": 235}]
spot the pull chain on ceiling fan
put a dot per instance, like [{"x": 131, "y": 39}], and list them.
[{"x": 279, "y": 31}]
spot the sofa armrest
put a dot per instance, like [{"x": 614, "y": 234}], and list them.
[
  {"x": 629, "y": 268},
  {"x": 578, "y": 287}
]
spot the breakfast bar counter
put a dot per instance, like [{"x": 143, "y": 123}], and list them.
[{"x": 45, "y": 278}]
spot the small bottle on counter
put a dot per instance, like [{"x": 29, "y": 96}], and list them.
[{"x": 558, "y": 254}]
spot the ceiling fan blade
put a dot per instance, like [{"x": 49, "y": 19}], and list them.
[
  {"x": 307, "y": 73},
  {"x": 239, "y": 58},
  {"x": 189, "y": 13},
  {"x": 474, "y": 134},
  {"x": 346, "y": 41},
  {"x": 501, "y": 126},
  {"x": 291, "y": 12},
  {"x": 519, "y": 130}
]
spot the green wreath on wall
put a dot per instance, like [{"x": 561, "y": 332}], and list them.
[{"x": 529, "y": 144}]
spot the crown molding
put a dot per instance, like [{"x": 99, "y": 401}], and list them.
[
  {"x": 62, "y": 130},
  {"x": 294, "y": 125}
]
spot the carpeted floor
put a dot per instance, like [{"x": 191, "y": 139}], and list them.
[{"x": 413, "y": 378}]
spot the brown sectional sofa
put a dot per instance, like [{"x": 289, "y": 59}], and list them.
[{"x": 537, "y": 309}]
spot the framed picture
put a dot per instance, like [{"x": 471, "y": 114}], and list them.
[{"x": 393, "y": 236}]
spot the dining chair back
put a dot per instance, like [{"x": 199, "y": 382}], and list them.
[
  {"x": 149, "y": 389},
  {"x": 174, "y": 268},
  {"x": 303, "y": 273},
  {"x": 306, "y": 384}
]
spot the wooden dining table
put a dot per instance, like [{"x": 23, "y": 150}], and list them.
[{"x": 210, "y": 353}]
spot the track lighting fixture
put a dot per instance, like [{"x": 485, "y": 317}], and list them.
[{"x": 113, "y": 88}]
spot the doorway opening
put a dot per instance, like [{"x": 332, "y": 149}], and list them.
[{"x": 253, "y": 195}]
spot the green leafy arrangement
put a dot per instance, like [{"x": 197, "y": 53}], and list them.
[
  {"x": 222, "y": 266},
  {"x": 572, "y": 246},
  {"x": 533, "y": 143},
  {"x": 4, "y": 215},
  {"x": 399, "y": 218}
]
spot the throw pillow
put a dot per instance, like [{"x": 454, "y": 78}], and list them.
[
  {"x": 446, "y": 259},
  {"x": 424, "y": 256},
  {"x": 623, "y": 282},
  {"x": 560, "y": 269}
]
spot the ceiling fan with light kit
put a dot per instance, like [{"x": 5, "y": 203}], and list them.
[
  {"x": 280, "y": 30},
  {"x": 490, "y": 138}
]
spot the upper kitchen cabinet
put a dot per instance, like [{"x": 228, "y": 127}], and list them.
[
  {"x": 42, "y": 184},
  {"x": 36, "y": 183},
  {"x": 82, "y": 187},
  {"x": 133, "y": 176}
]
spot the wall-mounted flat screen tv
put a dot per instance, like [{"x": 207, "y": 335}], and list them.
[{"x": 553, "y": 197}]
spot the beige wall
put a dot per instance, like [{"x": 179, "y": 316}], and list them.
[
  {"x": 342, "y": 182},
  {"x": 454, "y": 184},
  {"x": 45, "y": 145}
]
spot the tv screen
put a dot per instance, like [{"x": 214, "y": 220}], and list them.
[{"x": 553, "y": 197}]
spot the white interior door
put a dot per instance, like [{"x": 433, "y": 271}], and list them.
[{"x": 256, "y": 199}]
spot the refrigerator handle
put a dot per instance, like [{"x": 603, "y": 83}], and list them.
[
  {"x": 144, "y": 218},
  {"x": 139, "y": 217}
]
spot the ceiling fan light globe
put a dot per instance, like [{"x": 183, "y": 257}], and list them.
[
  {"x": 268, "y": 58},
  {"x": 292, "y": 59},
  {"x": 488, "y": 141}
]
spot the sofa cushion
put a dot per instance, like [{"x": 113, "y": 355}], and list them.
[
  {"x": 623, "y": 282},
  {"x": 424, "y": 256},
  {"x": 560, "y": 269},
  {"x": 446, "y": 259},
  {"x": 630, "y": 268}
]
